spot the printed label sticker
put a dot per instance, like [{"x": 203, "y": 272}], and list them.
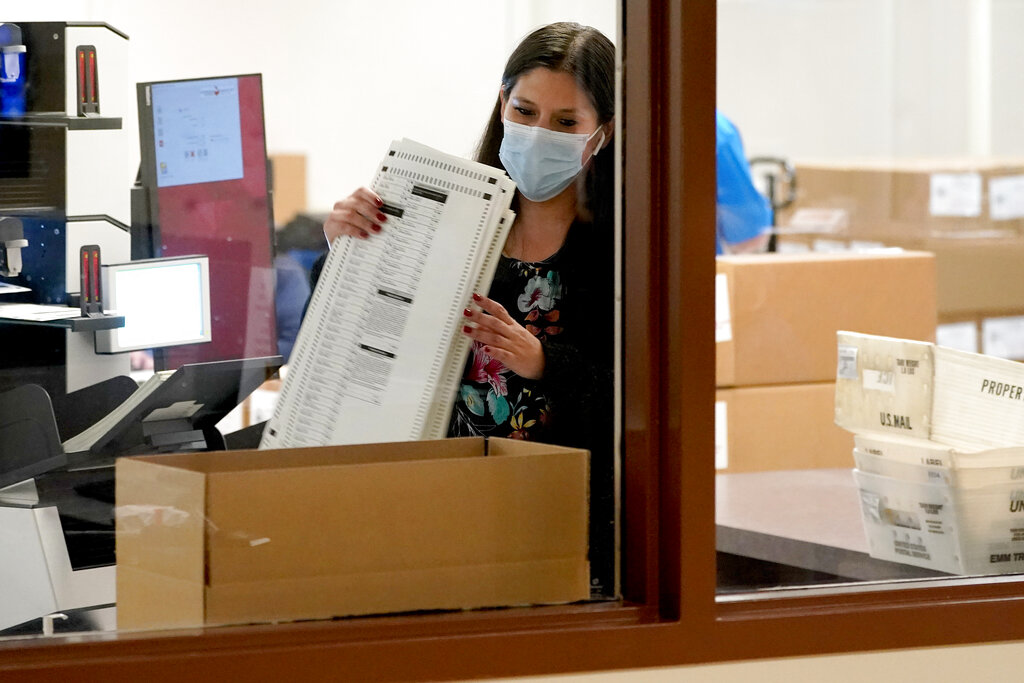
[
  {"x": 955, "y": 194},
  {"x": 880, "y": 380},
  {"x": 723, "y": 316},
  {"x": 847, "y": 365},
  {"x": 721, "y": 436}
]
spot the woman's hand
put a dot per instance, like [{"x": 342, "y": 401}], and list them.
[
  {"x": 504, "y": 338},
  {"x": 358, "y": 215}
]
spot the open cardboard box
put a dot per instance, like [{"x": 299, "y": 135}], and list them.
[{"x": 255, "y": 536}]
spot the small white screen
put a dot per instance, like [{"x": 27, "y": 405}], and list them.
[
  {"x": 197, "y": 131},
  {"x": 162, "y": 305}
]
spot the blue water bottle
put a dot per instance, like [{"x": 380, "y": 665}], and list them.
[{"x": 12, "y": 71}]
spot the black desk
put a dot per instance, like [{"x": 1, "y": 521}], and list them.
[{"x": 804, "y": 519}]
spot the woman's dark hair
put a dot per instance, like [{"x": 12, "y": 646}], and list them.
[{"x": 589, "y": 57}]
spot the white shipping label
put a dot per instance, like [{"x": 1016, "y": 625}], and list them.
[
  {"x": 786, "y": 247},
  {"x": 1003, "y": 337},
  {"x": 847, "y": 365},
  {"x": 880, "y": 380},
  {"x": 871, "y": 503},
  {"x": 721, "y": 435},
  {"x": 823, "y": 246},
  {"x": 723, "y": 315},
  {"x": 955, "y": 194},
  {"x": 1006, "y": 198},
  {"x": 961, "y": 336},
  {"x": 819, "y": 221}
]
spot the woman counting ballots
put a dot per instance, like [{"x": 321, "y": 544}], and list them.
[{"x": 540, "y": 365}]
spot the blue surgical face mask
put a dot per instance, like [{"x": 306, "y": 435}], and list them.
[{"x": 543, "y": 162}]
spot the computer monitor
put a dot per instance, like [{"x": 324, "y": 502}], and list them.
[
  {"x": 205, "y": 190},
  {"x": 165, "y": 302}
]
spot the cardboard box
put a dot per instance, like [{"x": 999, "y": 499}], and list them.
[
  {"x": 977, "y": 275},
  {"x": 784, "y": 427},
  {"x": 777, "y": 315},
  {"x": 288, "y": 177},
  {"x": 911, "y": 198},
  {"x": 255, "y": 536}
]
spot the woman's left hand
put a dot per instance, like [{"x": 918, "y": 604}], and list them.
[{"x": 503, "y": 338}]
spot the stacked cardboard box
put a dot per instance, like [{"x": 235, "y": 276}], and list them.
[
  {"x": 777, "y": 317},
  {"x": 938, "y": 449},
  {"x": 288, "y": 179},
  {"x": 969, "y": 213},
  {"x": 912, "y": 199}
]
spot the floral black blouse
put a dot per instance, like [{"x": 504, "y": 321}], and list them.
[
  {"x": 492, "y": 400},
  {"x": 565, "y": 300}
]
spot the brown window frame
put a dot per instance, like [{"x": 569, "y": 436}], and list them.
[{"x": 669, "y": 615}]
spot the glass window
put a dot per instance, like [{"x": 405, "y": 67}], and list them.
[
  {"x": 323, "y": 90},
  {"x": 671, "y": 616},
  {"x": 878, "y": 138}
]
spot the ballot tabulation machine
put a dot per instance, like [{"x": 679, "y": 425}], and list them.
[{"x": 102, "y": 258}]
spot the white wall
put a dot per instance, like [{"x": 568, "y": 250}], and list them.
[
  {"x": 873, "y": 78},
  {"x": 946, "y": 665},
  {"x": 341, "y": 79},
  {"x": 793, "y": 72},
  {"x": 1007, "y": 60}
]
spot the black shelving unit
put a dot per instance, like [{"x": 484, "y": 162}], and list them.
[
  {"x": 80, "y": 324},
  {"x": 62, "y": 120}
]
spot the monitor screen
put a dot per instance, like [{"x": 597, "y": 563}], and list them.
[
  {"x": 165, "y": 302},
  {"x": 204, "y": 172}
]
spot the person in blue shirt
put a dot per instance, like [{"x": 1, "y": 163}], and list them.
[{"x": 744, "y": 216}]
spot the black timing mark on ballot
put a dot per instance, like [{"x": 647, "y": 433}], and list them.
[
  {"x": 428, "y": 193},
  {"x": 379, "y": 352},
  {"x": 395, "y": 296},
  {"x": 392, "y": 210}
]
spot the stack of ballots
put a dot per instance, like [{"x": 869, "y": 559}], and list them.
[
  {"x": 939, "y": 452},
  {"x": 379, "y": 355}
]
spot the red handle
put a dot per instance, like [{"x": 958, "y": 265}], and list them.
[
  {"x": 81, "y": 75},
  {"x": 96, "y": 276},
  {"x": 92, "y": 76},
  {"x": 85, "y": 276}
]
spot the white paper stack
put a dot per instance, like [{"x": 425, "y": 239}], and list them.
[
  {"x": 939, "y": 449},
  {"x": 380, "y": 354}
]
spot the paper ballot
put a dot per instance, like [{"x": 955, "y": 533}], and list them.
[{"x": 380, "y": 353}]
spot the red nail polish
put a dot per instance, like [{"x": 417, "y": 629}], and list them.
[
  {"x": 376, "y": 228},
  {"x": 477, "y": 297},
  {"x": 487, "y": 349},
  {"x": 467, "y": 313},
  {"x": 381, "y": 217},
  {"x": 467, "y": 329},
  {"x": 380, "y": 202}
]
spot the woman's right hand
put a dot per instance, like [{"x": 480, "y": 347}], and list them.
[{"x": 358, "y": 215}]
